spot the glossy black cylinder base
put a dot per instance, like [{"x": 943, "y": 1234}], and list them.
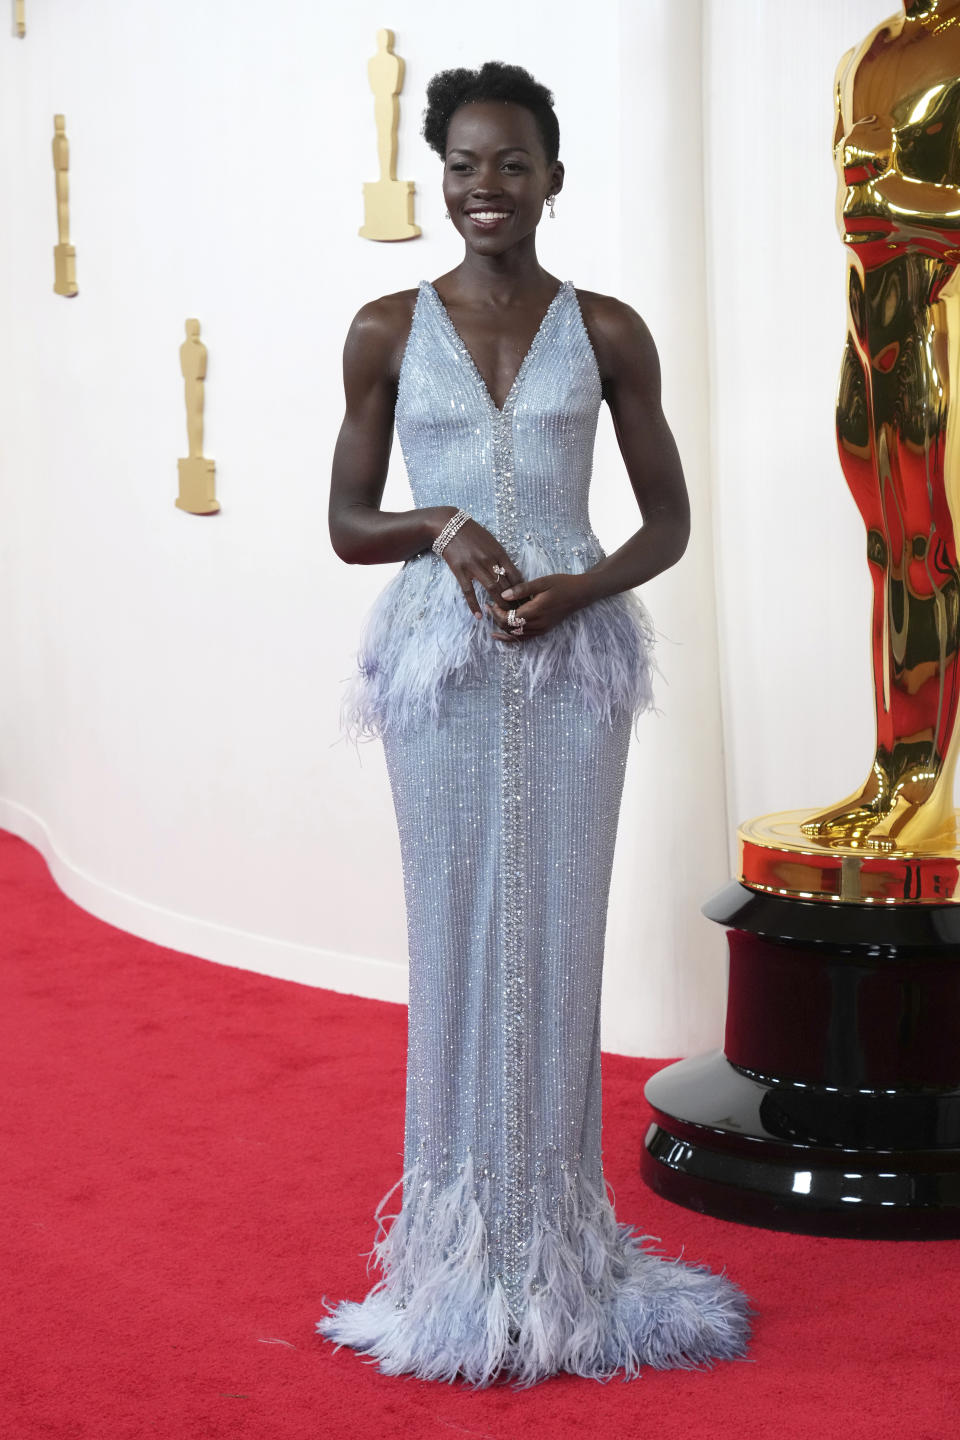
[{"x": 834, "y": 1107}]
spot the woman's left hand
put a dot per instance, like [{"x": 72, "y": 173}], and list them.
[{"x": 542, "y": 603}]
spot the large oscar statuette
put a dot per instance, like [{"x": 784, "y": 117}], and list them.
[
  {"x": 197, "y": 474},
  {"x": 387, "y": 202},
  {"x": 64, "y": 254},
  {"x": 835, "y": 1104}
]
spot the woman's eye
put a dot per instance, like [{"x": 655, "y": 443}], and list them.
[{"x": 508, "y": 165}]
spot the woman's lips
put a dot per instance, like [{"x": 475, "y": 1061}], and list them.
[{"x": 488, "y": 219}]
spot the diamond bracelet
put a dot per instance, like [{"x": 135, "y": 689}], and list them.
[{"x": 449, "y": 530}]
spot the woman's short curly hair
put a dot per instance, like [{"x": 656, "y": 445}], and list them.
[{"x": 449, "y": 89}]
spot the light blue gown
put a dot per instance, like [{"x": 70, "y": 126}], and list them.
[{"x": 506, "y": 764}]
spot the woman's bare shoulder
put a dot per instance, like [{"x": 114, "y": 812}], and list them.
[
  {"x": 610, "y": 315},
  {"x": 379, "y": 329},
  {"x": 617, "y": 331}
]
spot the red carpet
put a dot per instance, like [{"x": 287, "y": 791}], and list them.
[{"x": 192, "y": 1155}]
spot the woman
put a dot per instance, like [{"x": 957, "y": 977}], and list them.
[{"x": 502, "y": 667}]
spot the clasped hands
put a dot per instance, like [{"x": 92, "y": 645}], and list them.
[
  {"x": 915, "y": 210},
  {"x": 542, "y": 603}
]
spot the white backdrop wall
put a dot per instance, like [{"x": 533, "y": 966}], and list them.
[
  {"x": 793, "y": 591},
  {"x": 170, "y": 685}
]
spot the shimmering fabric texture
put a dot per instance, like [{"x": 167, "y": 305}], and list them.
[
  {"x": 504, "y": 1259},
  {"x": 523, "y": 472}
]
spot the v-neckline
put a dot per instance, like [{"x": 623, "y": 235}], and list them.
[{"x": 461, "y": 345}]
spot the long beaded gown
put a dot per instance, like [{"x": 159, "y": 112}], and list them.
[{"x": 506, "y": 764}]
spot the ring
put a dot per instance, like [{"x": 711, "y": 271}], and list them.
[
  {"x": 499, "y": 570},
  {"x": 514, "y": 622}
]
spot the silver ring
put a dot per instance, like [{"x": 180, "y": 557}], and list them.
[
  {"x": 513, "y": 622},
  {"x": 498, "y": 571}
]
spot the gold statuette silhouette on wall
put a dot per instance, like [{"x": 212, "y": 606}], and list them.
[
  {"x": 387, "y": 202},
  {"x": 64, "y": 254},
  {"x": 196, "y": 473},
  {"x": 20, "y": 17}
]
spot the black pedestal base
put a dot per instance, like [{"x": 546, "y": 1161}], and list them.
[{"x": 835, "y": 1108}]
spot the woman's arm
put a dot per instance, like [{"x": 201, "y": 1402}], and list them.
[
  {"x": 362, "y": 533},
  {"x": 630, "y": 375},
  {"x": 630, "y": 372}
]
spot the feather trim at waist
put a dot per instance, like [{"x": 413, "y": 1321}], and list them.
[{"x": 420, "y": 635}]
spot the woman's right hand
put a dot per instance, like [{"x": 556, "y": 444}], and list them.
[{"x": 472, "y": 555}]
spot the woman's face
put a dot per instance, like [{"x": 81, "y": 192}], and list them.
[{"x": 495, "y": 174}]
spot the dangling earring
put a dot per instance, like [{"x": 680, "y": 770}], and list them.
[
  {"x": 550, "y": 200},
  {"x": 447, "y": 213}
]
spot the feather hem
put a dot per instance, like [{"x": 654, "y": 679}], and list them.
[{"x": 596, "y": 1301}]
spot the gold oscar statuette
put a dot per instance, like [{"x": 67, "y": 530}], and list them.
[
  {"x": 20, "y": 17},
  {"x": 387, "y": 202},
  {"x": 64, "y": 254},
  {"x": 894, "y": 840},
  {"x": 196, "y": 473},
  {"x": 832, "y": 1108}
]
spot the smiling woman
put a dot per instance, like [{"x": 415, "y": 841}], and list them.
[{"x": 503, "y": 667}]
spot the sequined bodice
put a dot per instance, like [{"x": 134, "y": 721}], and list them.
[
  {"x": 523, "y": 472},
  {"x": 452, "y": 433}
]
